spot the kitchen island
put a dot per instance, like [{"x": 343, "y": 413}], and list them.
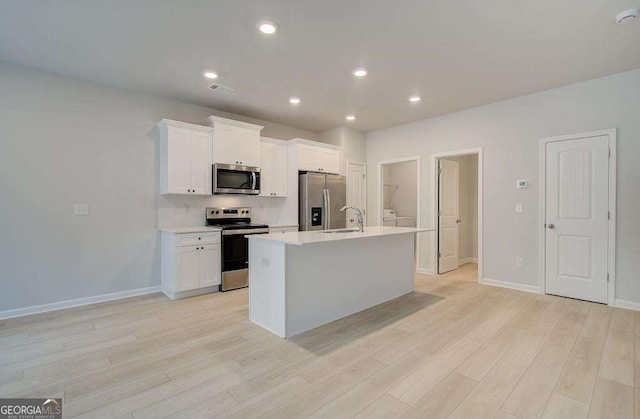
[{"x": 301, "y": 280}]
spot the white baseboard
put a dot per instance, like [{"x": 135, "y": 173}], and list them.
[
  {"x": 630, "y": 305},
  {"x": 424, "y": 271},
  {"x": 467, "y": 260},
  {"x": 7, "y": 314},
  {"x": 512, "y": 285}
]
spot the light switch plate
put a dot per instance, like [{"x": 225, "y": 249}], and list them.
[
  {"x": 519, "y": 262},
  {"x": 519, "y": 208},
  {"x": 81, "y": 209}
]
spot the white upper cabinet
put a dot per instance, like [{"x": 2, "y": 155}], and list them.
[
  {"x": 273, "y": 168},
  {"x": 318, "y": 157},
  {"x": 185, "y": 158},
  {"x": 235, "y": 142}
]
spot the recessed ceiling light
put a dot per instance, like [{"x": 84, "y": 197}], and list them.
[
  {"x": 360, "y": 72},
  {"x": 350, "y": 117},
  {"x": 267, "y": 27},
  {"x": 627, "y": 16},
  {"x": 211, "y": 75},
  {"x": 294, "y": 100},
  {"x": 414, "y": 99}
]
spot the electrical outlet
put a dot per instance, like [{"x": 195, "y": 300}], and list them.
[
  {"x": 81, "y": 209},
  {"x": 519, "y": 208},
  {"x": 519, "y": 262}
]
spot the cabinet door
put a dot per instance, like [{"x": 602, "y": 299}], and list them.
[
  {"x": 267, "y": 151},
  {"x": 329, "y": 160},
  {"x": 248, "y": 147},
  {"x": 187, "y": 268},
  {"x": 210, "y": 274},
  {"x": 179, "y": 161},
  {"x": 200, "y": 163},
  {"x": 279, "y": 168},
  {"x": 225, "y": 144},
  {"x": 308, "y": 158},
  {"x": 318, "y": 159}
]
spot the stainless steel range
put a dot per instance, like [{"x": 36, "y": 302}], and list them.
[{"x": 235, "y": 224}]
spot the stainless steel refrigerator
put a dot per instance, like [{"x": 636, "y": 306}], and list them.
[{"x": 321, "y": 197}]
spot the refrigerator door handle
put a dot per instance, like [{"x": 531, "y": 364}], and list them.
[{"x": 327, "y": 209}]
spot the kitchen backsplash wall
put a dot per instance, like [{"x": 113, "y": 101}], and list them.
[{"x": 183, "y": 211}]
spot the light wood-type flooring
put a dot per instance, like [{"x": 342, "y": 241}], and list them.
[{"x": 452, "y": 348}]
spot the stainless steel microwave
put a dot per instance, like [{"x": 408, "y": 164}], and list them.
[{"x": 235, "y": 179}]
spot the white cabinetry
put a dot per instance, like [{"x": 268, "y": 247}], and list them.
[
  {"x": 185, "y": 158},
  {"x": 235, "y": 142},
  {"x": 317, "y": 157},
  {"x": 190, "y": 263},
  {"x": 273, "y": 168}
]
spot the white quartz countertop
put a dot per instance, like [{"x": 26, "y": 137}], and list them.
[
  {"x": 300, "y": 238},
  {"x": 186, "y": 230}
]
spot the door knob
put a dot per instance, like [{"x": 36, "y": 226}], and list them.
[
  {"x": 551, "y": 226},
  {"x": 458, "y": 221}
]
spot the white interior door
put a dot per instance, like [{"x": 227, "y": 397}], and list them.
[
  {"x": 448, "y": 215},
  {"x": 577, "y": 203},
  {"x": 356, "y": 190}
]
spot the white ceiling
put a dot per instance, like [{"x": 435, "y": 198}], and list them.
[{"x": 455, "y": 54}]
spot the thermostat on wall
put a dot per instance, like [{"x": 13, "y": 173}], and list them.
[{"x": 522, "y": 183}]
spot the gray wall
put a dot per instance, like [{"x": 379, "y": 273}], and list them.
[
  {"x": 62, "y": 142},
  {"x": 509, "y": 132}
]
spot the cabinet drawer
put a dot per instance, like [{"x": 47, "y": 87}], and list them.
[{"x": 197, "y": 238}]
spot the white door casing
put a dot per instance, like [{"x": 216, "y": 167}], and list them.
[
  {"x": 356, "y": 190},
  {"x": 448, "y": 215},
  {"x": 576, "y": 218}
]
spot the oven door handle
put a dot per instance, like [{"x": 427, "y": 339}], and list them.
[{"x": 244, "y": 231}]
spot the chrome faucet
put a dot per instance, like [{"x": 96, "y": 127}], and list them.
[{"x": 359, "y": 219}]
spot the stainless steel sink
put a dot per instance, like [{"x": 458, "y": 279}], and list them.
[{"x": 347, "y": 230}]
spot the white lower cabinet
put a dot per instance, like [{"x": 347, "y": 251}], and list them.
[{"x": 190, "y": 269}]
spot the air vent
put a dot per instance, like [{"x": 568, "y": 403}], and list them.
[{"x": 221, "y": 89}]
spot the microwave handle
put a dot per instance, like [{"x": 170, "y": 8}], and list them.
[{"x": 253, "y": 180}]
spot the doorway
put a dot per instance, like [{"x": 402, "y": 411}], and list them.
[
  {"x": 457, "y": 209},
  {"x": 356, "y": 190},
  {"x": 578, "y": 216},
  {"x": 399, "y": 192}
]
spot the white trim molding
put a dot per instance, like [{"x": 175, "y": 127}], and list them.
[
  {"x": 467, "y": 260},
  {"x": 629, "y": 305},
  {"x": 511, "y": 285},
  {"x": 434, "y": 200},
  {"x": 611, "y": 257},
  {"x": 424, "y": 271},
  {"x": 7, "y": 314}
]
